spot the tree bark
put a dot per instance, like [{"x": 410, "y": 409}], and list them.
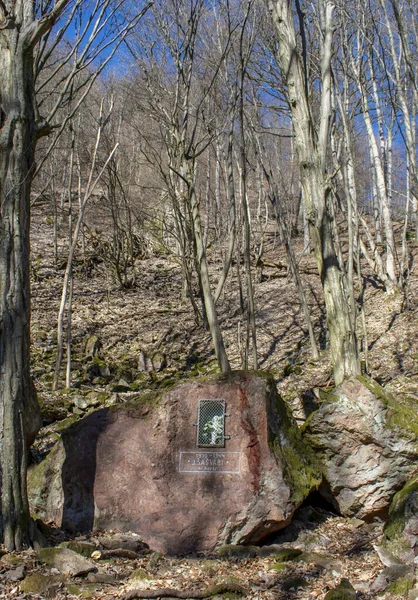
[
  {"x": 311, "y": 145},
  {"x": 17, "y": 149}
]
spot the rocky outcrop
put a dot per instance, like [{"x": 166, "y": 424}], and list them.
[
  {"x": 401, "y": 529},
  {"x": 368, "y": 444},
  {"x": 140, "y": 468}
]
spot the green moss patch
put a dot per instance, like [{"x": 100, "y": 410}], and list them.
[
  {"x": 396, "y": 521},
  {"x": 344, "y": 591},
  {"x": 301, "y": 469},
  {"x": 286, "y": 554},
  {"x": 403, "y": 410},
  {"x": 294, "y": 582},
  {"x": 140, "y": 575},
  {"x": 278, "y": 567},
  {"x": 38, "y": 583},
  {"x": 83, "y": 548},
  {"x": 400, "y": 587}
]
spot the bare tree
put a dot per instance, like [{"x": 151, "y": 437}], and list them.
[
  {"x": 312, "y": 143},
  {"x": 25, "y": 48}
]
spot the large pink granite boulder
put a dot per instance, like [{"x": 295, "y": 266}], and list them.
[{"x": 139, "y": 468}]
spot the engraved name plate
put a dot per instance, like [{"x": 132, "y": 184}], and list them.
[{"x": 209, "y": 462}]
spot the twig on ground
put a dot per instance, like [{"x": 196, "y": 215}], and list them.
[{"x": 173, "y": 593}]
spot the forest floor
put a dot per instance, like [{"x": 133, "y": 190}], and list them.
[{"x": 150, "y": 322}]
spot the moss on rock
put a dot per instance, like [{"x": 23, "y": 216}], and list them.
[
  {"x": 278, "y": 566},
  {"x": 140, "y": 575},
  {"x": 37, "y": 583},
  {"x": 401, "y": 586},
  {"x": 397, "y": 519},
  {"x": 286, "y": 554},
  {"x": 302, "y": 470},
  {"x": 403, "y": 410},
  {"x": 83, "y": 548},
  {"x": 344, "y": 591}
]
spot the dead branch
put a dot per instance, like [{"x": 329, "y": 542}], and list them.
[
  {"x": 173, "y": 593},
  {"x": 118, "y": 552}
]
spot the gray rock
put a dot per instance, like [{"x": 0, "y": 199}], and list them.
[
  {"x": 80, "y": 402},
  {"x": 143, "y": 362},
  {"x": 367, "y": 441},
  {"x": 159, "y": 361},
  {"x": 391, "y": 574},
  {"x": 271, "y": 550},
  {"x": 343, "y": 591},
  {"x": 53, "y": 407},
  {"x": 322, "y": 561},
  {"x": 66, "y": 561},
  {"x": 130, "y": 542},
  {"x": 37, "y": 583},
  {"x": 88, "y": 400},
  {"x": 237, "y": 494},
  {"x": 93, "y": 347},
  {"x": 84, "y": 548},
  {"x": 401, "y": 530},
  {"x": 16, "y": 574},
  {"x": 387, "y": 558}
]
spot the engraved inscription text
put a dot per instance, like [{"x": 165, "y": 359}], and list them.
[{"x": 215, "y": 462}]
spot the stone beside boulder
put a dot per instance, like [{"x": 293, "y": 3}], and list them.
[
  {"x": 401, "y": 529},
  {"x": 368, "y": 443},
  {"x": 136, "y": 467},
  {"x": 65, "y": 560}
]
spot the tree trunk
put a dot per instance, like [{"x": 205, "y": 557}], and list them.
[
  {"x": 208, "y": 300},
  {"x": 17, "y": 147},
  {"x": 311, "y": 145}
]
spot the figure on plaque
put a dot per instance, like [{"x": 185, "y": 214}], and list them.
[{"x": 214, "y": 428}]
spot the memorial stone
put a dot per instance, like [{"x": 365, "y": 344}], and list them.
[{"x": 208, "y": 463}]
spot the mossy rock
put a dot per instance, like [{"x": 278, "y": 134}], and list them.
[
  {"x": 43, "y": 480},
  {"x": 401, "y": 586},
  {"x": 402, "y": 414},
  {"x": 278, "y": 567},
  {"x": 140, "y": 575},
  {"x": 302, "y": 470},
  {"x": 293, "y": 582},
  {"x": 323, "y": 561},
  {"x": 53, "y": 409},
  {"x": 83, "y": 548},
  {"x": 155, "y": 560},
  {"x": 11, "y": 559},
  {"x": 65, "y": 423},
  {"x": 344, "y": 591},
  {"x": 237, "y": 551},
  {"x": 37, "y": 583},
  {"x": 85, "y": 590},
  {"x": 286, "y": 555},
  {"x": 397, "y": 519},
  {"x": 399, "y": 539},
  {"x": 65, "y": 560},
  {"x": 210, "y": 567}
]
